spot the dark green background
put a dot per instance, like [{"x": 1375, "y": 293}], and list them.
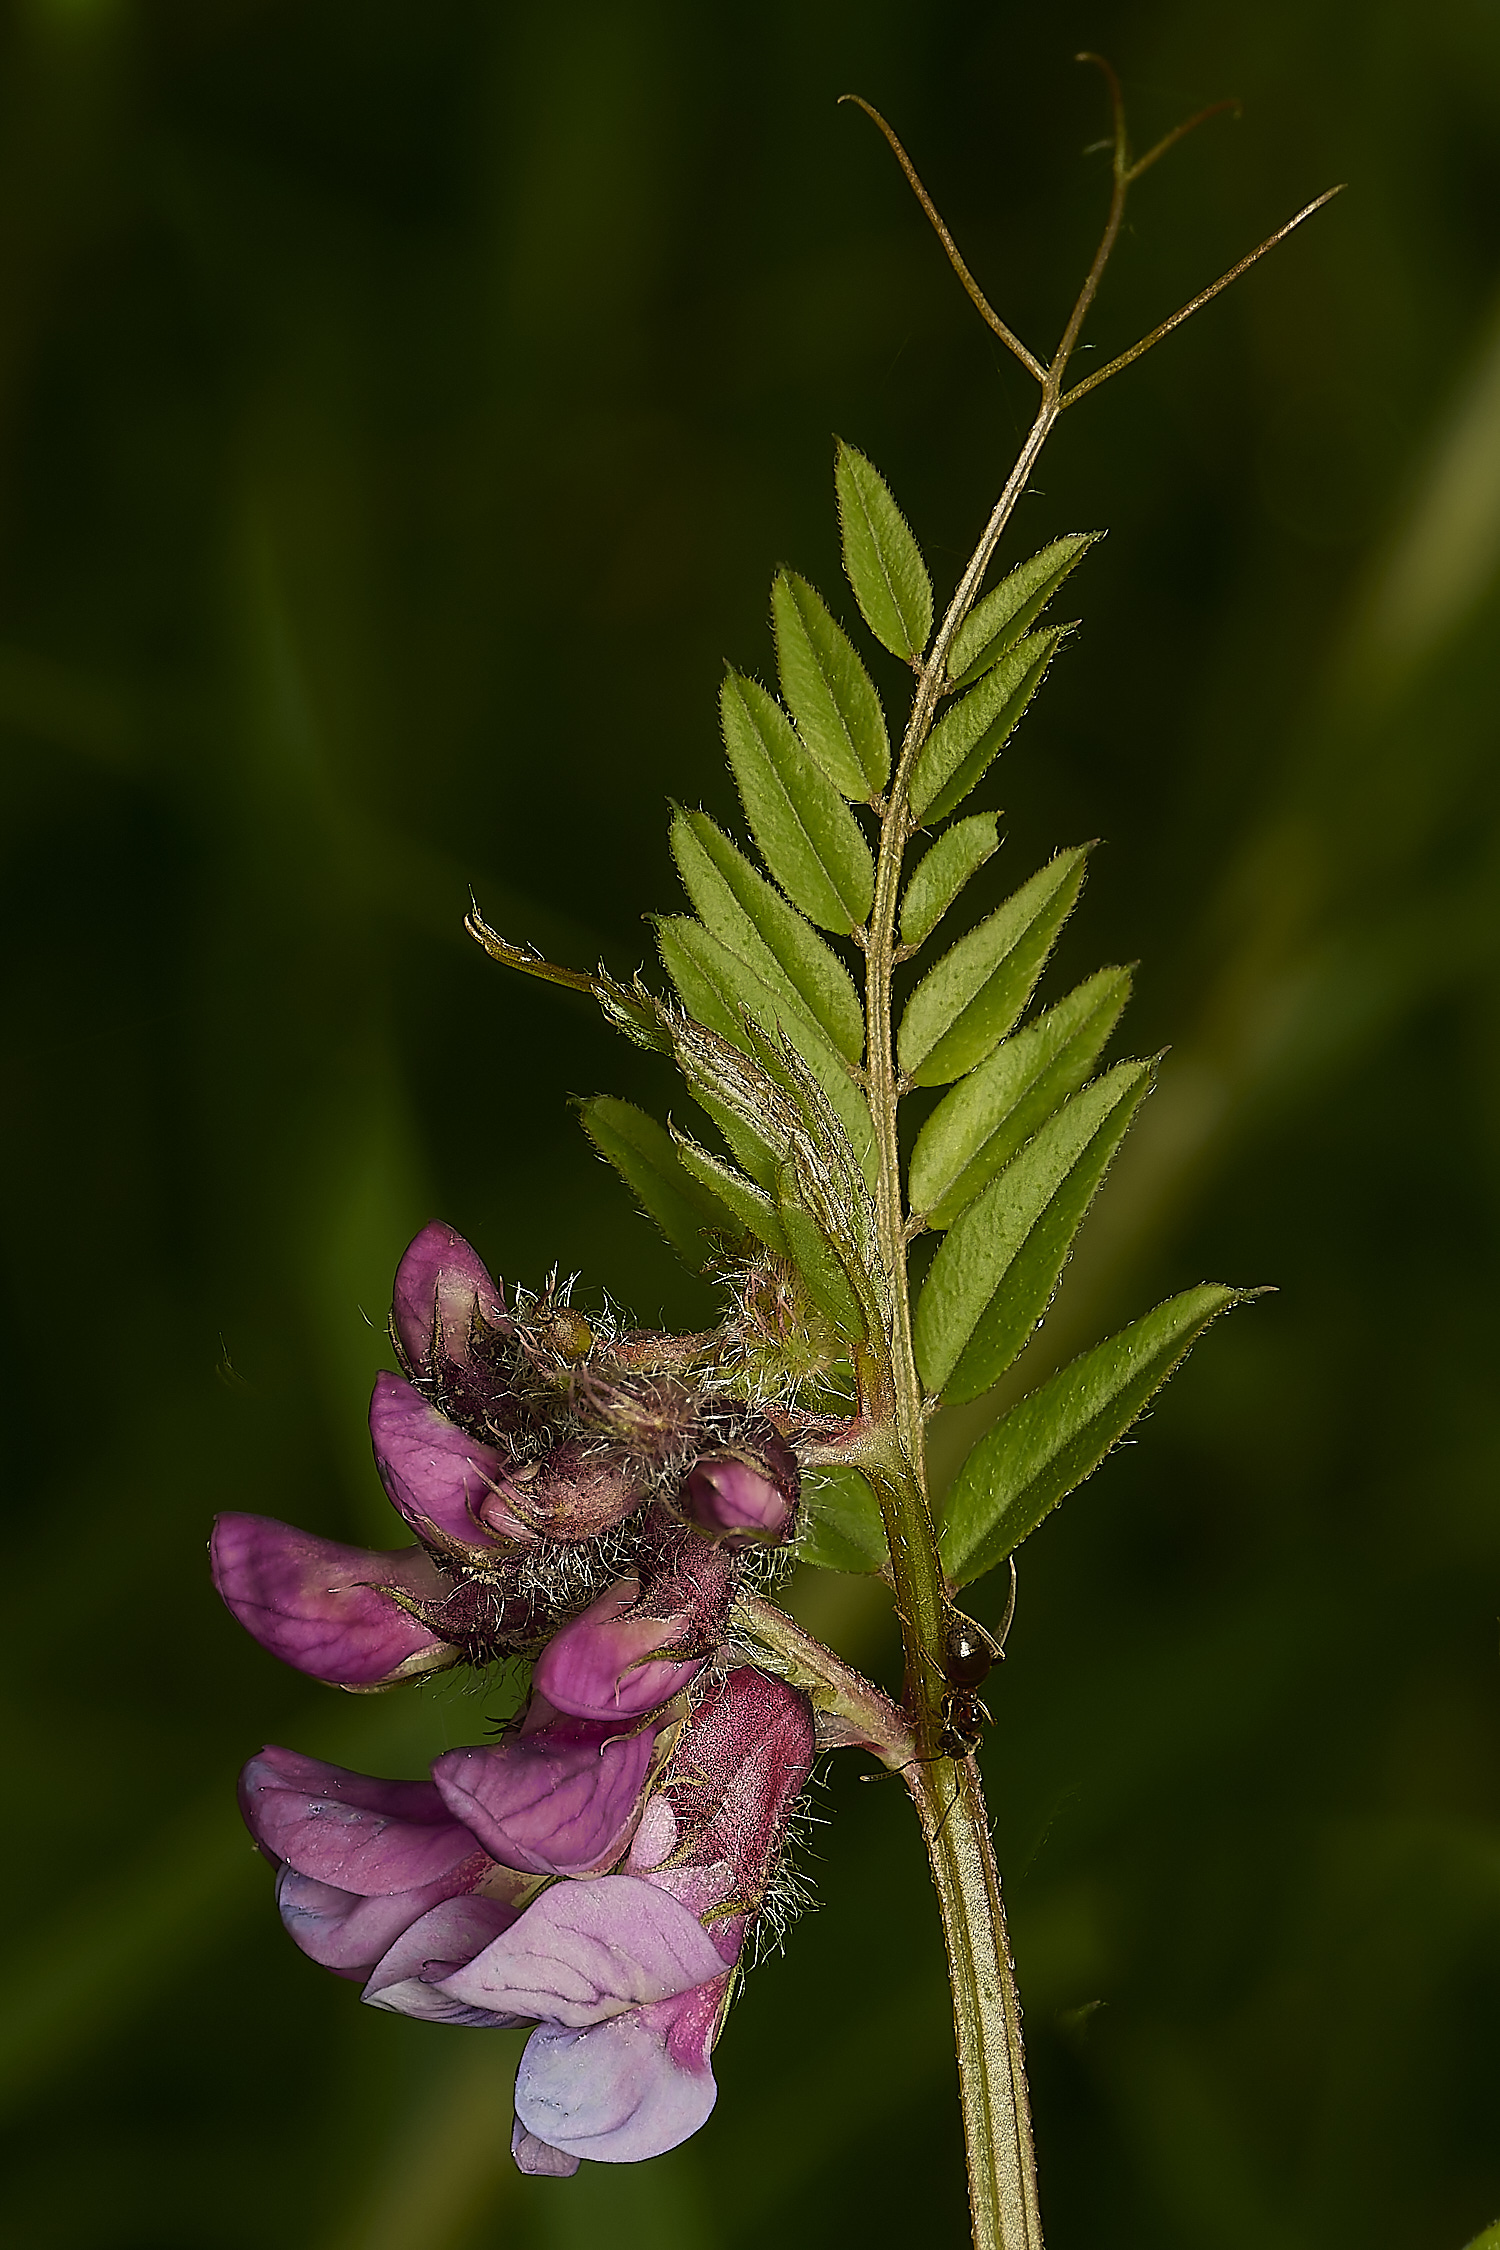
[{"x": 402, "y": 407}]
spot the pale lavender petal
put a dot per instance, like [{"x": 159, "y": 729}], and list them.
[
  {"x": 585, "y": 1951},
  {"x": 536, "y": 2158},
  {"x": 342, "y": 1931},
  {"x": 436, "y": 1475},
  {"x": 655, "y": 1838},
  {"x": 406, "y": 1979},
  {"x": 325, "y": 1608},
  {"x": 616, "y": 2092},
  {"x": 354, "y": 1831},
  {"x": 440, "y": 1283},
  {"x": 560, "y": 1802},
  {"x": 602, "y": 1666}
]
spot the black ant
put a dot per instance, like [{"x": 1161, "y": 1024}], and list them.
[{"x": 971, "y": 1656}]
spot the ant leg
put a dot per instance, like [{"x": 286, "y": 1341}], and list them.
[
  {"x": 952, "y": 1801},
  {"x": 1010, "y": 1611}
]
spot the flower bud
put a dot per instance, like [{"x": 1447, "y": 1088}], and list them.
[
  {"x": 574, "y": 1492},
  {"x": 341, "y": 1614},
  {"x": 749, "y": 1491},
  {"x": 448, "y": 1486},
  {"x": 442, "y": 1286},
  {"x": 616, "y": 1661}
]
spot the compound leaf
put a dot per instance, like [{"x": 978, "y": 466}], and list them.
[
  {"x": 941, "y": 873},
  {"x": 1047, "y": 1444},
  {"x": 967, "y": 1003},
  {"x": 642, "y": 1152},
  {"x": 828, "y": 691},
  {"x": 803, "y": 830},
  {"x": 977, "y": 1129},
  {"x": 751, "y": 917},
  {"x": 994, "y": 625},
  {"x": 882, "y": 558},
  {"x": 962, "y": 747},
  {"x": 993, "y": 1277}
]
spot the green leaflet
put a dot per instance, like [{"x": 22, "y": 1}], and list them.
[
  {"x": 642, "y": 1152},
  {"x": 995, "y": 625},
  {"x": 966, "y": 1004},
  {"x": 841, "y": 1526},
  {"x": 1045, "y": 1446},
  {"x": 962, "y": 747},
  {"x": 747, "y": 914},
  {"x": 979, "y": 1126},
  {"x": 941, "y": 873},
  {"x": 993, "y": 1277},
  {"x": 814, "y": 1258},
  {"x": 882, "y": 559},
  {"x": 828, "y": 691},
  {"x": 715, "y": 985},
  {"x": 753, "y": 1210},
  {"x": 804, "y": 831}
]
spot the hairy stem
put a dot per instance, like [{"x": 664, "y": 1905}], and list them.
[{"x": 948, "y": 1794}]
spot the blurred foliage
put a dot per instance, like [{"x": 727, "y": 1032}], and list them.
[{"x": 400, "y": 409}]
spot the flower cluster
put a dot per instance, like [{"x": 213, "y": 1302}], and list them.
[{"x": 582, "y": 1500}]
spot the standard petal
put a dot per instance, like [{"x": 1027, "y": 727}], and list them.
[
  {"x": 342, "y": 1931},
  {"x": 328, "y": 1609},
  {"x": 563, "y": 1801},
  {"x": 587, "y": 1951},
  {"x": 437, "y": 1476},
  {"x": 613, "y": 2092},
  {"x": 441, "y": 1283},
  {"x": 406, "y": 1980},
  {"x": 536, "y": 2158},
  {"x": 355, "y": 1831},
  {"x": 602, "y": 1666}
]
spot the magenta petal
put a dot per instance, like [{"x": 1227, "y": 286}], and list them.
[
  {"x": 440, "y": 1283},
  {"x": 342, "y": 1931},
  {"x": 586, "y": 1951},
  {"x": 600, "y": 1666},
  {"x": 321, "y": 1606},
  {"x": 612, "y": 2092},
  {"x": 436, "y": 1475},
  {"x": 563, "y": 1801},
  {"x": 361, "y": 1834},
  {"x": 406, "y": 1979},
  {"x": 731, "y": 1499},
  {"x": 536, "y": 2158}
]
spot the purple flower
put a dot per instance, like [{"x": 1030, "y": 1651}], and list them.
[
  {"x": 343, "y": 1614},
  {"x": 617, "y": 2070}
]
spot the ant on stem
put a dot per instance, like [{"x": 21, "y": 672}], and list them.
[{"x": 971, "y": 1654}]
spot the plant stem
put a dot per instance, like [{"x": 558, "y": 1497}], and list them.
[{"x": 948, "y": 1794}]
